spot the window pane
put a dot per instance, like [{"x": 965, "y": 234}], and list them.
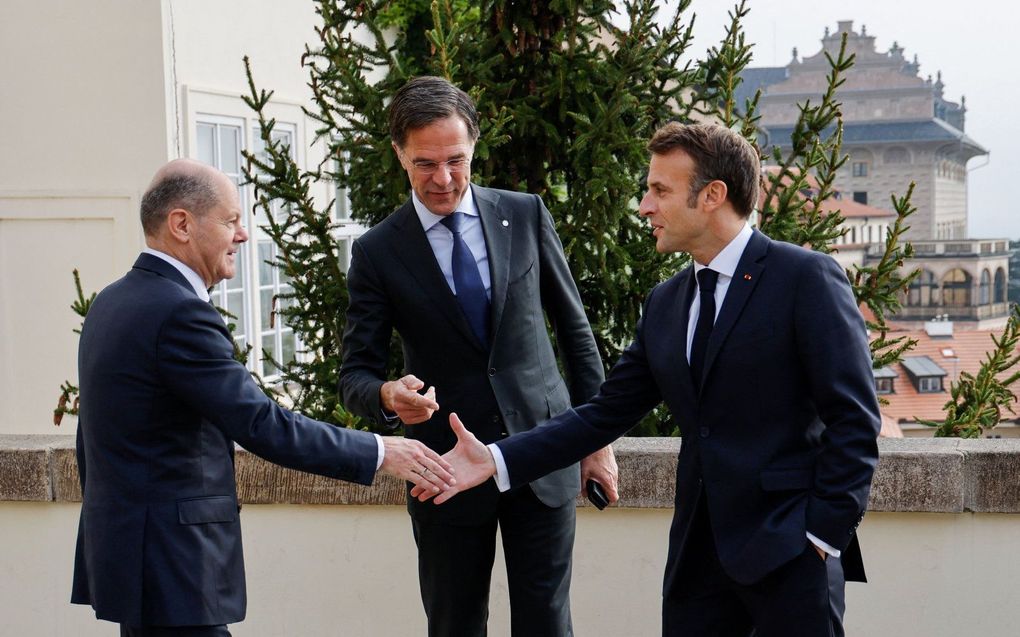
[
  {"x": 268, "y": 351},
  {"x": 345, "y": 253},
  {"x": 266, "y": 303},
  {"x": 289, "y": 342},
  {"x": 206, "y": 143},
  {"x": 235, "y": 305},
  {"x": 230, "y": 149},
  {"x": 237, "y": 282},
  {"x": 265, "y": 270}
]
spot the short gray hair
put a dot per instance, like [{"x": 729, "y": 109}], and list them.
[
  {"x": 193, "y": 192},
  {"x": 426, "y": 99}
]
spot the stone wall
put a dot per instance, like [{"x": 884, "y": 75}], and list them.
[{"x": 328, "y": 558}]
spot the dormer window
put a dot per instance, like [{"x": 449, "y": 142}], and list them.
[
  {"x": 925, "y": 374},
  {"x": 884, "y": 379}
]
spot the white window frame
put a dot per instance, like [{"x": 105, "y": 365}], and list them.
[{"x": 221, "y": 108}]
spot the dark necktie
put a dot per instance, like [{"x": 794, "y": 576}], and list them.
[
  {"x": 468, "y": 281},
  {"x": 703, "y": 329}
]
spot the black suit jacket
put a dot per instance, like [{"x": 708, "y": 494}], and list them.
[
  {"x": 162, "y": 403},
  {"x": 781, "y": 439},
  {"x": 396, "y": 283}
]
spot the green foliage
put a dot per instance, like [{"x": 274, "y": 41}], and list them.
[
  {"x": 881, "y": 287},
  {"x": 67, "y": 402},
  {"x": 567, "y": 99},
  {"x": 977, "y": 401}
]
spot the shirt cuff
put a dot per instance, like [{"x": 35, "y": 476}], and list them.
[
  {"x": 822, "y": 545},
  {"x": 382, "y": 451},
  {"x": 502, "y": 475}
]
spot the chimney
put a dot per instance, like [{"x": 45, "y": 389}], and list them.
[
  {"x": 939, "y": 327},
  {"x": 845, "y": 26}
]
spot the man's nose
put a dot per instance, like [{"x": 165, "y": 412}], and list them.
[
  {"x": 242, "y": 235},
  {"x": 645, "y": 208},
  {"x": 442, "y": 175}
]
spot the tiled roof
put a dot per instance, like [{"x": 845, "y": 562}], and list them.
[
  {"x": 962, "y": 352},
  {"x": 918, "y": 366},
  {"x": 929, "y": 130}
]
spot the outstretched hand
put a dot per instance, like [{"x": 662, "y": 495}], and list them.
[
  {"x": 412, "y": 461},
  {"x": 470, "y": 460}
]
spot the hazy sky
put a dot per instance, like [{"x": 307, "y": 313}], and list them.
[{"x": 974, "y": 43}]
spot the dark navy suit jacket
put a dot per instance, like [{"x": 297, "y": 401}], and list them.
[
  {"x": 782, "y": 438},
  {"x": 395, "y": 283},
  {"x": 162, "y": 403}
]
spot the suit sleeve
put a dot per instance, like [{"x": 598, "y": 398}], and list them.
[
  {"x": 366, "y": 341},
  {"x": 196, "y": 364},
  {"x": 833, "y": 347},
  {"x": 562, "y": 303},
  {"x": 625, "y": 397}
]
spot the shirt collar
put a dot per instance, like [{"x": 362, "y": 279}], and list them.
[
  {"x": 725, "y": 263},
  {"x": 429, "y": 219},
  {"x": 189, "y": 274}
]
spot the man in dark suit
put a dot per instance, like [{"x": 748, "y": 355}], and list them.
[
  {"x": 761, "y": 355},
  {"x": 468, "y": 276},
  {"x": 162, "y": 403}
]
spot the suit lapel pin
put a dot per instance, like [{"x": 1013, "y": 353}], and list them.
[
  {"x": 505, "y": 223},
  {"x": 747, "y": 277}
]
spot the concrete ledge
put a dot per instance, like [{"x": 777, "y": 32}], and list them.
[{"x": 914, "y": 475}]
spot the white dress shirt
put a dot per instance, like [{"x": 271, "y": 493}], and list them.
[
  {"x": 200, "y": 289},
  {"x": 441, "y": 238}
]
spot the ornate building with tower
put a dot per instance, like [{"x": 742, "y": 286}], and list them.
[{"x": 899, "y": 128}]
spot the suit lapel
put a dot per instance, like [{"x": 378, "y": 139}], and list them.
[
  {"x": 497, "y": 229},
  {"x": 745, "y": 279},
  {"x": 413, "y": 249},
  {"x": 687, "y": 287}
]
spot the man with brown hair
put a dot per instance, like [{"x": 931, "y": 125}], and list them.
[
  {"x": 761, "y": 355},
  {"x": 468, "y": 276}
]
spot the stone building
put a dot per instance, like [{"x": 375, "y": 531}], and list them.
[{"x": 899, "y": 128}]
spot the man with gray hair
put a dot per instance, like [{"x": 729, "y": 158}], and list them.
[
  {"x": 162, "y": 403},
  {"x": 468, "y": 276}
]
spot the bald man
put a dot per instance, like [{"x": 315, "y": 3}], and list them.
[{"x": 162, "y": 404}]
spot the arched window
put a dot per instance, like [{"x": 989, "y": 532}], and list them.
[
  {"x": 984, "y": 292},
  {"x": 956, "y": 288},
  {"x": 924, "y": 291},
  {"x": 1000, "y": 286}
]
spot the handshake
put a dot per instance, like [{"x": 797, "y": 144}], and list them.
[{"x": 469, "y": 463}]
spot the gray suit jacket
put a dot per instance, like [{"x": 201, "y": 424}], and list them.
[{"x": 396, "y": 283}]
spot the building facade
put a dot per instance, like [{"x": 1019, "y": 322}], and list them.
[
  {"x": 119, "y": 88},
  {"x": 899, "y": 128}
]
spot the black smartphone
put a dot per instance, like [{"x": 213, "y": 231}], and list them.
[{"x": 596, "y": 495}]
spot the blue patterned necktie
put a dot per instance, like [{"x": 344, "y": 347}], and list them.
[
  {"x": 467, "y": 280},
  {"x": 703, "y": 329}
]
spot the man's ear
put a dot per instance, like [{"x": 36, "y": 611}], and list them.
[
  {"x": 179, "y": 224},
  {"x": 400, "y": 155},
  {"x": 715, "y": 194}
]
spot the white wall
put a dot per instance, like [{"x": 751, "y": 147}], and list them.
[
  {"x": 336, "y": 570},
  {"x": 83, "y": 126}
]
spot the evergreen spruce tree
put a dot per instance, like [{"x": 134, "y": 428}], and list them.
[{"x": 568, "y": 93}]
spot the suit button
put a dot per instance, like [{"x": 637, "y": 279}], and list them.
[
  {"x": 703, "y": 432},
  {"x": 492, "y": 371}
]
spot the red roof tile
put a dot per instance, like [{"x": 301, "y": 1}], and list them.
[{"x": 964, "y": 351}]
